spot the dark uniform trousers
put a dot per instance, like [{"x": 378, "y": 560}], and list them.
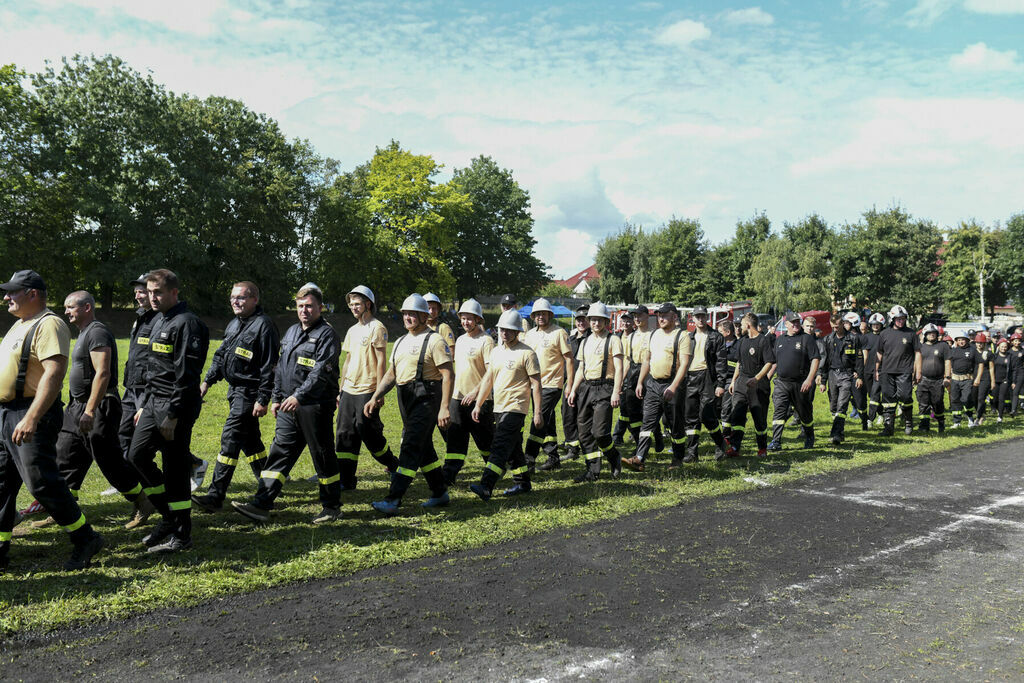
[
  {"x": 961, "y": 398},
  {"x": 701, "y": 409},
  {"x": 930, "y": 399},
  {"x": 34, "y": 463},
  {"x": 460, "y": 429},
  {"x": 1018, "y": 394},
  {"x": 859, "y": 399},
  {"x": 981, "y": 396},
  {"x": 506, "y": 451},
  {"x": 129, "y": 406},
  {"x": 873, "y": 391},
  {"x": 840, "y": 390},
  {"x": 897, "y": 388},
  {"x": 570, "y": 429},
  {"x": 309, "y": 425},
  {"x": 594, "y": 401},
  {"x": 756, "y": 401},
  {"x": 76, "y": 451},
  {"x": 1003, "y": 396},
  {"x": 170, "y": 491},
  {"x": 631, "y": 409},
  {"x": 241, "y": 434},
  {"x": 354, "y": 430},
  {"x": 786, "y": 395},
  {"x": 725, "y": 413},
  {"x": 544, "y": 437},
  {"x": 419, "y": 418},
  {"x": 655, "y": 409}
]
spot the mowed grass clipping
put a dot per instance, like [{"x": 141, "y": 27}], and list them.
[{"x": 232, "y": 555}]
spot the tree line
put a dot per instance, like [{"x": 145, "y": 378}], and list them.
[
  {"x": 888, "y": 257},
  {"x": 105, "y": 174}
]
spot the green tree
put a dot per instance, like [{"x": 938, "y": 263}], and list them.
[
  {"x": 613, "y": 260},
  {"x": 971, "y": 247},
  {"x": 678, "y": 253},
  {"x": 555, "y": 290},
  {"x": 739, "y": 254},
  {"x": 640, "y": 264},
  {"x": 787, "y": 276},
  {"x": 1009, "y": 263}
]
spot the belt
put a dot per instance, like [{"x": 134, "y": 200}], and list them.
[
  {"x": 961, "y": 377},
  {"x": 598, "y": 382},
  {"x": 933, "y": 379}
]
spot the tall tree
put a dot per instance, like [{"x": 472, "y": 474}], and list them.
[
  {"x": 678, "y": 254},
  {"x": 1010, "y": 262},
  {"x": 613, "y": 261},
  {"x": 745, "y": 246},
  {"x": 970, "y": 252}
]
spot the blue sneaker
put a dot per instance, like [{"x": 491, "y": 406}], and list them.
[
  {"x": 437, "y": 501},
  {"x": 386, "y": 507},
  {"x": 774, "y": 446},
  {"x": 479, "y": 490},
  {"x": 517, "y": 490}
]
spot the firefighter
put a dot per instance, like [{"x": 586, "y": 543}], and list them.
[
  {"x": 595, "y": 393},
  {"x": 1017, "y": 352},
  {"x": 634, "y": 343},
  {"x": 872, "y": 387},
  {"x": 508, "y": 303},
  {"x": 705, "y": 382},
  {"x": 1003, "y": 369},
  {"x": 551, "y": 344},
  {"x": 421, "y": 368},
  {"x": 472, "y": 358},
  {"x": 896, "y": 347},
  {"x": 515, "y": 378},
  {"x": 983, "y": 380},
  {"x": 303, "y": 403},
  {"x": 570, "y": 425},
  {"x": 840, "y": 372},
  {"x": 727, "y": 329},
  {"x": 434, "y": 322},
  {"x": 666, "y": 358},
  {"x": 932, "y": 372},
  {"x": 963, "y": 370},
  {"x": 365, "y": 348},
  {"x": 246, "y": 359},
  {"x": 168, "y": 410},
  {"x": 797, "y": 359},
  {"x": 750, "y": 385},
  {"x": 135, "y": 367},
  {"x": 859, "y": 411}
]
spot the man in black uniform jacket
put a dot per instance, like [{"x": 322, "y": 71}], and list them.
[
  {"x": 170, "y": 404},
  {"x": 896, "y": 347},
  {"x": 303, "y": 403},
  {"x": 705, "y": 382},
  {"x": 932, "y": 370},
  {"x": 570, "y": 413},
  {"x": 841, "y": 368},
  {"x": 797, "y": 360},
  {"x": 750, "y": 386},
  {"x": 135, "y": 367},
  {"x": 872, "y": 387},
  {"x": 246, "y": 359}
]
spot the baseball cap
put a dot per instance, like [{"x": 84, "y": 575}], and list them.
[
  {"x": 140, "y": 280},
  {"x": 509, "y": 300},
  {"x": 668, "y": 307},
  {"x": 793, "y": 317},
  {"x": 24, "y": 279},
  {"x": 640, "y": 310}
]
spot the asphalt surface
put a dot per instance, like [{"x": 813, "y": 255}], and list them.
[{"x": 897, "y": 572}]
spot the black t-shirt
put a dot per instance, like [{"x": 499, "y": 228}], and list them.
[
  {"x": 933, "y": 359},
  {"x": 982, "y": 358},
  {"x": 752, "y": 354},
  {"x": 794, "y": 355},
  {"x": 963, "y": 361},
  {"x": 94, "y": 336},
  {"x": 1003, "y": 367},
  {"x": 897, "y": 347},
  {"x": 869, "y": 342},
  {"x": 1018, "y": 360}
]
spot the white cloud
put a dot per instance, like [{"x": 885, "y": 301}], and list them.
[
  {"x": 995, "y": 6},
  {"x": 682, "y": 33},
  {"x": 926, "y": 12},
  {"x": 566, "y": 250},
  {"x": 980, "y": 57},
  {"x": 752, "y": 16},
  {"x": 194, "y": 17}
]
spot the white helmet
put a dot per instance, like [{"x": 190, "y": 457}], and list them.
[
  {"x": 897, "y": 312},
  {"x": 852, "y": 318},
  {"x": 473, "y": 307},
  {"x": 930, "y": 327},
  {"x": 430, "y": 296},
  {"x": 876, "y": 319},
  {"x": 961, "y": 334},
  {"x": 510, "y": 320},
  {"x": 415, "y": 303},
  {"x": 541, "y": 305},
  {"x": 364, "y": 291},
  {"x": 598, "y": 310}
]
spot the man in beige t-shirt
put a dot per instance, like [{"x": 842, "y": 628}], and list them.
[
  {"x": 443, "y": 329},
  {"x": 472, "y": 358},
  {"x": 365, "y": 349},
  {"x": 514, "y": 375},
  {"x": 551, "y": 344}
]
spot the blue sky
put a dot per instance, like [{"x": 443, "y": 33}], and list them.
[{"x": 611, "y": 112}]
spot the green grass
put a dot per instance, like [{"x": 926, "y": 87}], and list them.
[{"x": 232, "y": 556}]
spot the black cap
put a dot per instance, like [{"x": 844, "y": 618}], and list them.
[
  {"x": 140, "y": 280},
  {"x": 668, "y": 307},
  {"x": 509, "y": 300},
  {"x": 581, "y": 311},
  {"x": 641, "y": 310},
  {"x": 24, "y": 279},
  {"x": 700, "y": 310},
  {"x": 627, "y": 314},
  {"x": 793, "y": 317}
]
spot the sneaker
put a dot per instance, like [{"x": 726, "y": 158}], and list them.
[
  {"x": 82, "y": 553},
  {"x": 551, "y": 463},
  {"x": 199, "y": 473},
  {"x": 159, "y": 534},
  {"x": 690, "y": 457},
  {"x": 572, "y": 453},
  {"x": 731, "y": 452},
  {"x": 775, "y": 445},
  {"x": 142, "y": 512},
  {"x": 586, "y": 476},
  {"x": 327, "y": 515},
  {"x": 481, "y": 491},
  {"x": 208, "y": 503},
  {"x": 955, "y": 425},
  {"x": 908, "y": 429},
  {"x": 634, "y": 463},
  {"x": 32, "y": 509},
  {"x": 112, "y": 491},
  {"x": 385, "y": 507},
  {"x": 173, "y": 544},
  {"x": 250, "y": 510},
  {"x": 675, "y": 464},
  {"x": 518, "y": 489},
  {"x": 865, "y": 425},
  {"x": 43, "y": 523},
  {"x": 999, "y": 420},
  {"x": 437, "y": 501},
  {"x": 762, "y": 452},
  {"x": 719, "y": 455}
]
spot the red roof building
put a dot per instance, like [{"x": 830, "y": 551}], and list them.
[{"x": 580, "y": 283}]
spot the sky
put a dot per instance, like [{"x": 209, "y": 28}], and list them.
[{"x": 610, "y": 113}]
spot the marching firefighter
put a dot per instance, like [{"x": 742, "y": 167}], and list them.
[
  {"x": 860, "y": 391},
  {"x": 896, "y": 348},
  {"x": 634, "y": 346},
  {"x": 515, "y": 378},
  {"x": 472, "y": 359},
  {"x": 421, "y": 368},
  {"x": 797, "y": 360},
  {"x": 727, "y": 329},
  {"x": 434, "y": 322},
  {"x": 840, "y": 371},
  {"x": 595, "y": 392},
  {"x": 1003, "y": 369},
  {"x": 246, "y": 360},
  {"x": 750, "y": 386},
  {"x": 508, "y": 303},
  {"x": 983, "y": 381},
  {"x": 1018, "y": 378},
  {"x": 933, "y": 372},
  {"x": 570, "y": 425},
  {"x": 872, "y": 387},
  {"x": 551, "y": 344},
  {"x": 705, "y": 382},
  {"x": 963, "y": 372}
]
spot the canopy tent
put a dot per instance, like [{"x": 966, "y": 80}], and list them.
[{"x": 559, "y": 311}]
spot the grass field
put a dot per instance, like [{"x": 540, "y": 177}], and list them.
[{"x": 232, "y": 555}]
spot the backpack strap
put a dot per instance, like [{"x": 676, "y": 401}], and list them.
[
  {"x": 604, "y": 359},
  {"x": 675, "y": 353},
  {"x": 26, "y": 352},
  {"x": 423, "y": 354}
]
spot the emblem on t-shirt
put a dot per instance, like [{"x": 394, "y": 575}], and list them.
[
  {"x": 752, "y": 351},
  {"x": 798, "y": 345},
  {"x": 510, "y": 364}
]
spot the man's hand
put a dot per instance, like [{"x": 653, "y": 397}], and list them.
[
  {"x": 444, "y": 418},
  {"x": 669, "y": 392},
  {"x": 475, "y": 414},
  {"x": 85, "y": 422},
  {"x": 538, "y": 420},
  {"x": 571, "y": 399},
  {"x": 289, "y": 405},
  {"x": 372, "y": 406},
  {"x": 821, "y": 388},
  {"x": 732, "y": 387},
  {"x": 259, "y": 410},
  {"x": 639, "y": 391},
  {"x": 806, "y": 386},
  {"x": 167, "y": 428},
  {"x": 719, "y": 391},
  {"x": 469, "y": 399},
  {"x": 138, "y": 414},
  {"x": 859, "y": 383},
  {"x": 273, "y": 409},
  {"x": 615, "y": 400},
  {"x": 203, "y": 388},
  {"x": 24, "y": 430}
]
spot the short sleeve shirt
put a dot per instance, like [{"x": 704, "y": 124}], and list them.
[
  {"x": 660, "y": 351},
  {"x": 472, "y": 356},
  {"x": 700, "y": 340},
  {"x": 52, "y": 338},
  {"x": 933, "y": 359},
  {"x": 360, "y": 341},
  {"x": 550, "y": 347},
  {"x": 405, "y": 356},
  {"x": 95, "y": 336},
  {"x": 445, "y": 332},
  {"x": 591, "y": 356},
  {"x": 512, "y": 368}
]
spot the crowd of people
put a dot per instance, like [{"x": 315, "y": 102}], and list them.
[{"x": 668, "y": 380}]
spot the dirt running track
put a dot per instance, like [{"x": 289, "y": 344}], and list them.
[{"x": 905, "y": 571}]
